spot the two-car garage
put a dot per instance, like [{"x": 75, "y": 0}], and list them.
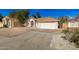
[
  {"x": 44, "y": 23},
  {"x": 52, "y": 25}
]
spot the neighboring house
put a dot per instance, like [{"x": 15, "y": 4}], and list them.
[
  {"x": 43, "y": 23},
  {"x": 11, "y": 22},
  {"x": 1, "y": 24},
  {"x": 7, "y": 22},
  {"x": 73, "y": 23}
]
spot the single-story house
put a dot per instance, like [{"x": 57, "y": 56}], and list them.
[
  {"x": 7, "y": 22},
  {"x": 11, "y": 22},
  {"x": 73, "y": 23},
  {"x": 1, "y": 24},
  {"x": 43, "y": 23}
]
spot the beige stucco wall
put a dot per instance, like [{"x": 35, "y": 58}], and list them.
[
  {"x": 74, "y": 24},
  {"x": 1, "y": 24},
  {"x": 52, "y": 25}
]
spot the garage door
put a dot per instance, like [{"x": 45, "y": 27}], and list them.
[{"x": 48, "y": 25}]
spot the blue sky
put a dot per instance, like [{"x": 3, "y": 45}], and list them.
[{"x": 55, "y": 13}]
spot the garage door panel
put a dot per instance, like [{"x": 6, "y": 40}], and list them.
[{"x": 48, "y": 25}]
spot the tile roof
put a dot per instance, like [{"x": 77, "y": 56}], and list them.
[
  {"x": 46, "y": 20},
  {"x": 71, "y": 20}
]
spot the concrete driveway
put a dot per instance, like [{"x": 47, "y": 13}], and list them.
[{"x": 32, "y": 39}]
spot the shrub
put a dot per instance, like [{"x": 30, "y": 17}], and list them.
[
  {"x": 77, "y": 31},
  {"x": 65, "y": 31},
  {"x": 75, "y": 38},
  {"x": 5, "y": 26},
  {"x": 72, "y": 36}
]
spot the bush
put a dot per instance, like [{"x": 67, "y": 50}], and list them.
[
  {"x": 67, "y": 34},
  {"x": 77, "y": 31},
  {"x": 72, "y": 36},
  {"x": 65, "y": 31},
  {"x": 75, "y": 38},
  {"x": 5, "y": 26}
]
